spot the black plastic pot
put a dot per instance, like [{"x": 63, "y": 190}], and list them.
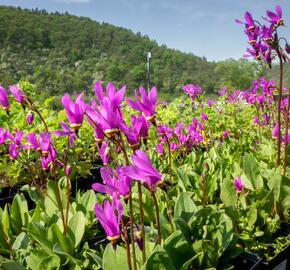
[
  {"x": 7, "y": 196},
  {"x": 248, "y": 261},
  {"x": 84, "y": 184}
]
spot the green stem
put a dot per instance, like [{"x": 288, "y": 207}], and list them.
[
  {"x": 142, "y": 222},
  {"x": 132, "y": 232},
  {"x": 158, "y": 241},
  {"x": 279, "y": 107}
]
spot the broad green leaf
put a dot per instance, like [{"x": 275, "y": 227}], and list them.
[
  {"x": 51, "y": 262},
  {"x": 185, "y": 206},
  {"x": 252, "y": 171},
  {"x": 19, "y": 213},
  {"x": 54, "y": 199},
  {"x": 21, "y": 242},
  {"x": 115, "y": 259},
  {"x": 158, "y": 260},
  {"x": 228, "y": 192},
  {"x": 208, "y": 254},
  {"x": 76, "y": 228},
  {"x": 178, "y": 249}
]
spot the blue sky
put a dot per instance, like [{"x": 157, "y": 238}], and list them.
[{"x": 203, "y": 27}]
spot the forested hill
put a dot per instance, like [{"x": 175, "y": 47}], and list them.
[{"x": 60, "y": 52}]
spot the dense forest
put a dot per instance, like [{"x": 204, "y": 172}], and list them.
[{"x": 63, "y": 53}]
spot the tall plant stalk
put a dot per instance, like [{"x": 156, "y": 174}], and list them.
[
  {"x": 142, "y": 222},
  {"x": 279, "y": 106},
  {"x": 158, "y": 241}
]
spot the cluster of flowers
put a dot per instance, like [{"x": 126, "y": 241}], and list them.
[
  {"x": 182, "y": 137},
  {"x": 263, "y": 38},
  {"x": 192, "y": 90},
  {"x": 105, "y": 115}
]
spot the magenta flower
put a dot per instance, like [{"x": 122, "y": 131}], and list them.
[
  {"x": 203, "y": 117},
  {"x": 116, "y": 97},
  {"x": 147, "y": 105},
  {"x": 275, "y": 18},
  {"x": 16, "y": 144},
  {"x": 104, "y": 152},
  {"x": 33, "y": 141},
  {"x": 117, "y": 184},
  {"x": 45, "y": 143},
  {"x": 4, "y": 102},
  {"x": 48, "y": 159},
  {"x": 192, "y": 90},
  {"x": 29, "y": 118},
  {"x": 14, "y": 151},
  {"x": 210, "y": 103},
  {"x": 238, "y": 184},
  {"x": 66, "y": 131},
  {"x": 249, "y": 22},
  {"x": 108, "y": 219},
  {"x": 160, "y": 148},
  {"x": 133, "y": 134},
  {"x": 142, "y": 170},
  {"x": 3, "y": 136},
  {"x": 225, "y": 134},
  {"x": 17, "y": 94},
  {"x": 275, "y": 131},
  {"x": 74, "y": 110}
]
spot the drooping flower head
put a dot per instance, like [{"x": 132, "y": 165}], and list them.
[
  {"x": 238, "y": 184},
  {"x": 104, "y": 152},
  {"x": 74, "y": 110},
  {"x": 4, "y": 102},
  {"x": 114, "y": 184},
  {"x": 17, "y": 94},
  {"x": 108, "y": 219},
  {"x": 146, "y": 105},
  {"x": 116, "y": 97},
  {"x": 142, "y": 170},
  {"x": 275, "y": 18},
  {"x": 29, "y": 118},
  {"x": 66, "y": 131},
  {"x": 192, "y": 90}
]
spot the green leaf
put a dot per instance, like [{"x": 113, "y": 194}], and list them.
[
  {"x": 21, "y": 241},
  {"x": 208, "y": 254},
  {"x": 87, "y": 202},
  {"x": 76, "y": 228},
  {"x": 252, "y": 172},
  {"x": 185, "y": 206},
  {"x": 19, "y": 213},
  {"x": 54, "y": 198},
  {"x": 228, "y": 192},
  {"x": 51, "y": 262},
  {"x": 158, "y": 260},
  {"x": 11, "y": 265},
  {"x": 115, "y": 259},
  {"x": 178, "y": 249}
]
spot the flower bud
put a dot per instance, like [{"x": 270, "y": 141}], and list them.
[
  {"x": 29, "y": 118},
  {"x": 68, "y": 170}
]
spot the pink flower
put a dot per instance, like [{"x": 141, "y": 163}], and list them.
[
  {"x": 108, "y": 219},
  {"x": 74, "y": 110},
  {"x": 4, "y": 98},
  {"x": 238, "y": 184},
  {"x": 142, "y": 170},
  {"x": 17, "y": 94},
  {"x": 147, "y": 104}
]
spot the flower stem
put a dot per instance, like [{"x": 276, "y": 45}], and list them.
[
  {"x": 68, "y": 200},
  {"x": 279, "y": 107},
  {"x": 157, "y": 218},
  {"x": 132, "y": 232},
  {"x": 142, "y": 222},
  {"x": 127, "y": 246}
]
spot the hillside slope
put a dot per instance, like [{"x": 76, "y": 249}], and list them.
[{"x": 60, "y": 52}]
